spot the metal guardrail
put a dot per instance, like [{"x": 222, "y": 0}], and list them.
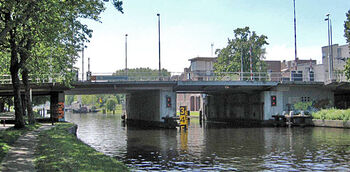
[
  {"x": 53, "y": 78},
  {"x": 180, "y": 76}
]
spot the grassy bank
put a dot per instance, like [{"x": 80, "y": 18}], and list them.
[
  {"x": 332, "y": 114},
  {"x": 60, "y": 151},
  {"x": 9, "y": 136}
]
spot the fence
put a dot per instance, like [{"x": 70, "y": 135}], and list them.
[{"x": 178, "y": 76}]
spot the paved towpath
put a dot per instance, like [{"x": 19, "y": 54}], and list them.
[{"x": 21, "y": 155}]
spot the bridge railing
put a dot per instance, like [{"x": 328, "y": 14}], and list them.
[
  {"x": 214, "y": 76},
  {"x": 50, "y": 78},
  {"x": 189, "y": 76}
]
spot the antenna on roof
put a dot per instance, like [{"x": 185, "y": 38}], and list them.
[{"x": 212, "y": 49}]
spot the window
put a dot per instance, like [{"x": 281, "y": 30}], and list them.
[{"x": 305, "y": 99}]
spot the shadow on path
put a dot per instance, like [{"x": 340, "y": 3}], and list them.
[{"x": 21, "y": 155}]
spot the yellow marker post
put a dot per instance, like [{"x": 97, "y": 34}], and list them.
[{"x": 183, "y": 117}]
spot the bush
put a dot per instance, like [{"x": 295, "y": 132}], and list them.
[
  {"x": 332, "y": 114},
  {"x": 302, "y": 105}
]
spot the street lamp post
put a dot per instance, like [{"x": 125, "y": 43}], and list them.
[
  {"x": 126, "y": 54},
  {"x": 159, "y": 72},
  {"x": 82, "y": 65},
  {"x": 295, "y": 39},
  {"x": 330, "y": 53}
]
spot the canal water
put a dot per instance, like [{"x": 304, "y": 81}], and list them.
[{"x": 216, "y": 147}]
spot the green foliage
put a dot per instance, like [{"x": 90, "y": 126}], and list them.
[
  {"x": 302, "y": 105},
  {"x": 229, "y": 58},
  {"x": 43, "y": 39},
  {"x": 39, "y": 100},
  {"x": 94, "y": 101},
  {"x": 347, "y": 27},
  {"x": 111, "y": 104},
  {"x": 347, "y": 69},
  {"x": 89, "y": 99},
  {"x": 142, "y": 73},
  {"x": 9, "y": 136},
  {"x": 49, "y": 34},
  {"x": 58, "y": 150},
  {"x": 332, "y": 114},
  {"x": 4, "y": 63},
  {"x": 347, "y": 36},
  {"x": 69, "y": 99}
]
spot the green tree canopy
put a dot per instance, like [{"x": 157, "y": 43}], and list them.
[
  {"x": 244, "y": 41},
  {"x": 142, "y": 73},
  {"x": 347, "y": 36},
  {"x": 347, "y": 27},
  {"x": 111, "y": 104},
  {"x": 32, "y": 32}
]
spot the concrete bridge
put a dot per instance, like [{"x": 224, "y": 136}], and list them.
[{"x": 229, "y": 101}]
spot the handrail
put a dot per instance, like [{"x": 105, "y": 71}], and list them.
[{"x": 188, "y": 76}]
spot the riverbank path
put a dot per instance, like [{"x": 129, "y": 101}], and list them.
[{"x": 21, "y": 155}]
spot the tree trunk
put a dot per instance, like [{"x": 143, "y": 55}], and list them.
[
  {"x": 28, "y": 103},
  {"x": 2, "y": 105},
  {"x": 19, "y": 120},
  {"x": 14, "y": 69}
]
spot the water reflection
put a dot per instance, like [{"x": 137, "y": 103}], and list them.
[{"x": 216, "y": 148}]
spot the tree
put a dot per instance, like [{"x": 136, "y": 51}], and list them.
[
  {"x": 89, "y": 99},
  {"x": 30, "y": 27},
  {"x": 142, "y": 73},
  {"x": 69, "y": 99},
  {"x": 347, "y": 36},
  {"x": 347, "y": 27},
  {"x": 244, "y": 44},
  {"x": 111, "y": 104}
]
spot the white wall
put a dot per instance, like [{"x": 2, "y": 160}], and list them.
[
  {"x": 164, "y": 110},
  {"x": 272, "y": 110}
]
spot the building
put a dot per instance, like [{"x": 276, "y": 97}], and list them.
[
  {"x": 201, "y": 69},
  {"x": 274, "y": 69},
  {"x": 340, "y": 53},
  {"x": 298, "y": 70}
]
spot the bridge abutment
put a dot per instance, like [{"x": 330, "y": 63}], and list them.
[
  {"x": 57, "y": 106},
  {"x": 151, "y": 108}
]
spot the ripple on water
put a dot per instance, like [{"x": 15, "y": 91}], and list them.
[{"x": 215, "y": 148}]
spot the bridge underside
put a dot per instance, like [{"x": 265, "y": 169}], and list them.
[
  {"x": 151, "y": 108},
  {"x": 244, "y": 108}
]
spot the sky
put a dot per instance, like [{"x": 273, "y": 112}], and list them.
[{"x": 189, "y": 27}]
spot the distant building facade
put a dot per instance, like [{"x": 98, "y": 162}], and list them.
[
  {"x": 274, "y": 69},
  {"x": 298, "y": 70},
  {"x": 340, "y": 54},
  {"x": 201, "y": 69}
]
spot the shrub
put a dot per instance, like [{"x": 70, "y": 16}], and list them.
[{"x": 332, "y": 114}]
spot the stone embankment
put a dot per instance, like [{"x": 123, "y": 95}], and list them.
[{"x": 331, "y": 123}]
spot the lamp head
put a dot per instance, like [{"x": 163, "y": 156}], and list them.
[{"x": 158, "y": 14}]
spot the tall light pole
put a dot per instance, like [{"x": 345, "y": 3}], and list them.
[
  {"x": 126, "y": 54},
  {"x": 159, "y": 44},
  {"x": 82, "y": 65},
  {"x": 295, "y": 39},
  {"x": 330, "y": 57}
]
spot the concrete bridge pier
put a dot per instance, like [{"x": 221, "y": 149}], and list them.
[
  {"x": 243, "y": 109},
  {"x": 57, "y": 106},
  {"x": 154, "y": 108}
]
